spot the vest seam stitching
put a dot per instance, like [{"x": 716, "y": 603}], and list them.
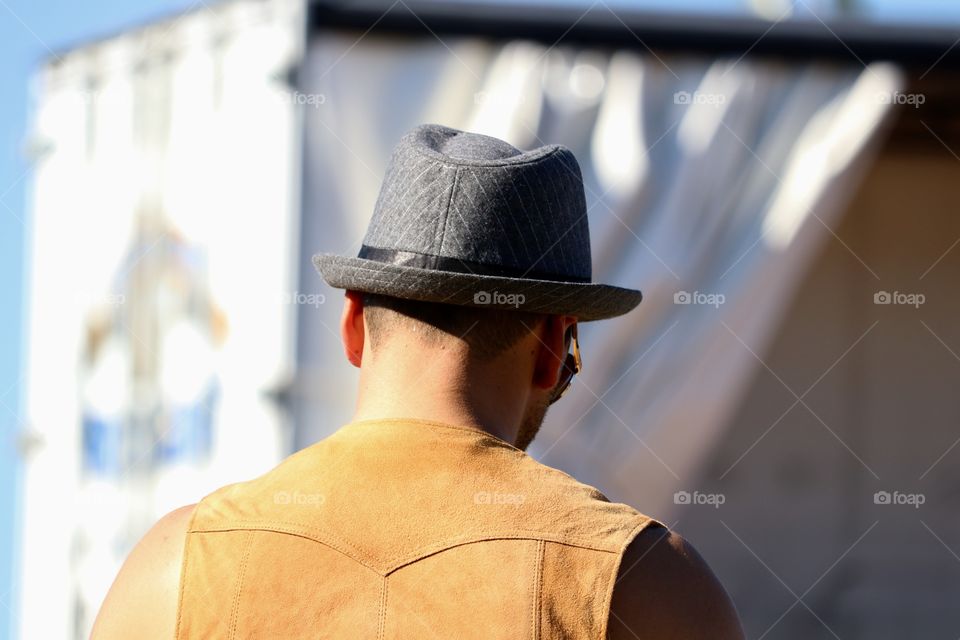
[
  {"x": 183, "y": 570},
  {"x": 532, "y": 593},
  {"x": 480, "y": 536},
  {"x": 397, "y": 563},
  {"x": 383, "y": 608},
  {"x": 538, "y": 589},
  {"x": 248, "y": 544},
  {"x": 292, "y": 529}
]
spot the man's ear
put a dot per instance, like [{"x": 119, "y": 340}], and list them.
[
  {"x": 352, "y": 327},
  {"x": 552, "y": 351}
]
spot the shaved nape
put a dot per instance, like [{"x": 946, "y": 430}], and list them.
[{"x": 487, "y": 332}]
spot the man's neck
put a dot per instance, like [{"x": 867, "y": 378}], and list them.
[{"x": 431, "y": 386}]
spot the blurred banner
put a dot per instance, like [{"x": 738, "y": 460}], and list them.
[
  {"x": 711, "y": 186},
  {"x": 164, "y": 211}
]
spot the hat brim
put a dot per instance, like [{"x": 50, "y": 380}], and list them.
[{"x": 585, "y": 301}]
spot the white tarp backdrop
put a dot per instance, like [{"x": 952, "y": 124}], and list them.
[{"x": 711, "y": 186}]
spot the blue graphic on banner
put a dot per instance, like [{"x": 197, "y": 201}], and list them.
[
  {"x": 102, "y": 444},
  {"x": 189, "y": 433}
]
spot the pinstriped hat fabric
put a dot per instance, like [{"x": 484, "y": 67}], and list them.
[{"x": 468, "y": 219}]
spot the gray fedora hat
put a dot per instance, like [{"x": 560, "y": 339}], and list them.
[{"x": 468, "y": 219}]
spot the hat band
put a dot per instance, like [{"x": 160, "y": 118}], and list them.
[{"x": 457, "y": 265}]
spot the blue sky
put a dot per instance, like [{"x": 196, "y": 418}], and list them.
[{"x": 31, "y": 31}]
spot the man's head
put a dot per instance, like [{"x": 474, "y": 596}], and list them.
[
  {"x": 500, "y": 365},
  {"x": 461, "y": 215}
]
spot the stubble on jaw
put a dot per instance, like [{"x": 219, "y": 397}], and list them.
[{"x": 531, "y": 423}]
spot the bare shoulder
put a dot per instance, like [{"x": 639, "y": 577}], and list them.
[
  {"x": 142, "y": 602},
  {"x": 666, "y": 590}
]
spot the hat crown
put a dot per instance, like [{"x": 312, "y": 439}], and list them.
[
  {"x": 469, "y": 202},
  {"x": 465, "y": 147}
]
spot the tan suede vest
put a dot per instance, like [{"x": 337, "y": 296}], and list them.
[{"x": 404, "y": 529}]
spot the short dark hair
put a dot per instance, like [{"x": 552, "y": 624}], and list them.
[{"x": 487, "y": 332}]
